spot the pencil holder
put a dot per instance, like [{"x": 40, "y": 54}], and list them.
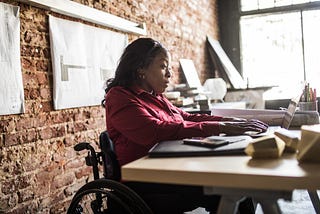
[{"x": 308, "y": 106}]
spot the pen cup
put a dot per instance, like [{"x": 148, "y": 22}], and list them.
[{"x": 308, "y": 106}]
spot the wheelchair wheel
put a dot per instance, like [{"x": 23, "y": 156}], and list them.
[{"x": 107, "y": 196}]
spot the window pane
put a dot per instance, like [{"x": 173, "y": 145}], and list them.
[
  {"x": 300, "y": 1},
  {"x": 279, "y": 3},
  {"x": 247, "y": 5},
  {"x": 266, "y": 4},
  {"x": 311, "y": 24},
  {"x": 271, "y": 50}
]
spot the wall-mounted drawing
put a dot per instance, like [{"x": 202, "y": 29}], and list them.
[
  {"x": 65, "y": 69},
  {"x": 83, "y": 58},
  {"x": 11, "y": 93}
]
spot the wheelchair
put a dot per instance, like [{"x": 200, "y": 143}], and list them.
[{"x": 107, "y": 194}]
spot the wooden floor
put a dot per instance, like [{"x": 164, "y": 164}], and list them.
[{"x": 300, "y": 204}]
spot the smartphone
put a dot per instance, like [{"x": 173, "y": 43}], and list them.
[{"x": 205, "y": 142}]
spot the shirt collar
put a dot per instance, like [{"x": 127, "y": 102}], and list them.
[{"x": 137, "y": 90}]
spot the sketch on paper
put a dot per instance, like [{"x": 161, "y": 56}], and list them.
[
  {"x": 11, "y": 93},
  {"x": 83, "y": 58}
]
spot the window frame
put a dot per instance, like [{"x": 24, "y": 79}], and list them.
[{"x": 229, "y": 13}]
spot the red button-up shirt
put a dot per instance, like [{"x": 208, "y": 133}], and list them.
[{"x": 137, "y": 120}]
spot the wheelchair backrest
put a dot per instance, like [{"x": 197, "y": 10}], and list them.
[{"x": 111, "y": 169}]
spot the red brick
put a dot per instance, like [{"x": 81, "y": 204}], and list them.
[
  {"x": 97, "y": 112},
  {"x": 83, "y": 172},
  {"x": 11, "y": 139},
  {"x": 45, "y": 93},
  {"x": 71, "y": 154},
  {"x": 46, "y": 106},
  {"x": 69, "y": 140},
  {"x": 30, "y": 51},
  {"x": 25, "y": 123},
  {"x": 29, "y": 79},
  {"x": 62, "y": 180},
  {"x": 71, "y": 189},
  {"x": 25, "y": 195},
  {"x": 7, "y": 125},
  {"x": 83, "y": 115},
  {"x": 51, "y": 132},
  {"x": 61, "y": 117},
  {"x": 27, "y": 63},
  {"x": 32, "y": 94},
  {"x": 43, "y": 180},
  {"x": 76, "y": 163},
  {"x": 42, "y": 65},
  {"x": 12, "y": 185},
  {"x": 53, "y": 199},
  {"x": 78, "y": 127}
]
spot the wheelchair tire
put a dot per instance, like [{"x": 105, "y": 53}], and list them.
[{"x": 107, "y": 196}]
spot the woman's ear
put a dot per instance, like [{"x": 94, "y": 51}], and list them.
[{"x": 141, "y": 73}]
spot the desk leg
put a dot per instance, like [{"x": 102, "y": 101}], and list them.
[
  {"x": 269, "y": 205},
  {"x": 229, "y": 204},
  {"x": 315, "y": 200},
  {"x": 231, "y": 197}
]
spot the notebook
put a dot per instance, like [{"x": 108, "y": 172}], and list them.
[{"x": 176, "y": 148}]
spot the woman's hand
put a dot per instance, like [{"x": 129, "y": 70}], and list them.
[
  {"x": 234, "y": 119},
  {"x": 240, "y": 126}
]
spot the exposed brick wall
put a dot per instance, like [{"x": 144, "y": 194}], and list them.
[{"x": 39, "y": 170}]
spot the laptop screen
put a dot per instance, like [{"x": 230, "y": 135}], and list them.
[{"x": 288, "y": 116}]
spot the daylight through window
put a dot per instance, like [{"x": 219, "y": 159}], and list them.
[{"x": 280, "y": 47}]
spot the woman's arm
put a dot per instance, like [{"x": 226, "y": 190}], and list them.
[
  {"x": 127, "y": 115},
  {"x": 228, "y": 125}
]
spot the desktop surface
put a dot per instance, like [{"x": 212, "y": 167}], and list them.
[{"x": 284, "y": 173}]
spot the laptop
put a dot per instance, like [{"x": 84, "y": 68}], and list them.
[{"x": 286, "y": 120}]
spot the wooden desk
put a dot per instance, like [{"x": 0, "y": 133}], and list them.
[{"x": 234, "y": 177}]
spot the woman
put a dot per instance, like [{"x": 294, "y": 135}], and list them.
[{"x": 138, "y": 116}]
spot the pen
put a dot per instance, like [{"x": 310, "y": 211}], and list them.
[
  {"x": 308, "y": 93},
  {"x": 305, "y": 93},
  {"x": 311, "y": 95}
]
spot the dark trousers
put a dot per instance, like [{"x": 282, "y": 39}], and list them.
[{"x": 174, "y": 199}]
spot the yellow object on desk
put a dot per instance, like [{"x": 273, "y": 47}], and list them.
[
  {"x": 290, "y": 138},
  {"x": 309, "y": 145},
  {"x": 268, "y": 146}
]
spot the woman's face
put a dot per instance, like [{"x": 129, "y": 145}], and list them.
[{"x": 157, "y": 74}]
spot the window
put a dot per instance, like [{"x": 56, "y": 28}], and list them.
[{"x": 280, "y": 45}]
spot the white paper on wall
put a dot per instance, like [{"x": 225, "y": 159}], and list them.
[
  {"x": 11, "y": 93},
  {"x": 83, "y": 58}
]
